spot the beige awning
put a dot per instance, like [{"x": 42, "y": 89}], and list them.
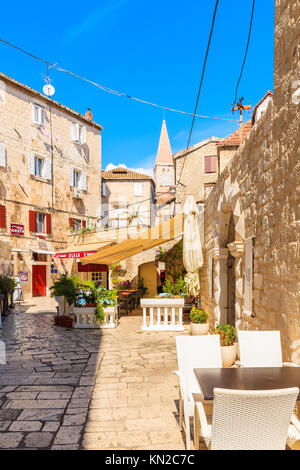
[
  {"x": 81, "y": 251},
  {"x": 155, "y": 236}
]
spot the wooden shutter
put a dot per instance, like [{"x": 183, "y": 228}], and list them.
[
  {"x": 2, "y": 217},
  {"x": 71, "y": 223},
  {"x": 48, "y": 223},
  {"x": 83, "y": 223},
  {"x": 2, "y": 155},
  {"x": 47, "y": 169},
  {"x": 32, "y": 221},
  {"x": 71, "y": 176},
  {"x": 83, "y": 135},
  {"x": 83, "y": 181},
  {"x": 207, "y": 164},
  {"x": 213, "y": 164},
  {"x": 210, "y": 164},
  {"x": 31, "y": 163},
  {"x": 138, "y": 189}
]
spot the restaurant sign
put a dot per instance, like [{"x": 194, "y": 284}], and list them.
[
  {"x": 74, "y": 254},
  {"x": 16, "y": 229}
]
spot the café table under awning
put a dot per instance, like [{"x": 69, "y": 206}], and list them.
[
  {"x": 81, "y": 251},
  {"x": 155, "y": 236}
]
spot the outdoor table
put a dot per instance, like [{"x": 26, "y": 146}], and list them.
[{"x": 245, "y": 378}]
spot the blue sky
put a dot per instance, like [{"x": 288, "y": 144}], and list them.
[{"x": 153, "y": 50}]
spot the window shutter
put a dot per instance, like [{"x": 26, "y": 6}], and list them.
[
  {"x": 207, "y": 164},
  {"x": 2, "y": 217},
  {"x": 83, "y": 135},
  {"x": 32, "y": 221},
  {"x": 34, "y": 114},
  {"x": 75, "y": 132},
  {"x": 43, "y": 116},
  {"x": 83, "y": 223},
  {"x": 47, "y": 169},
  {"x": 72, "y": 131},
  {"x": 213, "y": 166},
  {"x": 83, "y": 180},
  {"x": 2, "y": 155},
  {"x": 71, "y": 176},
  {"x": 31, "y": 163},
  {"x": 48, "y": 223},
  {"x": 71, "y": 223},
  {"x": 104, "y": 187}
]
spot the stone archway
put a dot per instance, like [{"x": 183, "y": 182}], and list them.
[{"x": 228, "y": 250}]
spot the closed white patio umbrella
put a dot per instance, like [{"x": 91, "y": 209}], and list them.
[{"x": 192, "y": 249}]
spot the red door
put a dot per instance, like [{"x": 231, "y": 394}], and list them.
[{"x": 38, "y": 280}]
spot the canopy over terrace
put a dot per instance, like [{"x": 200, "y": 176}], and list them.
[
  {"x": 155, "y": 236},
  {"x": 82, "y": 250}
]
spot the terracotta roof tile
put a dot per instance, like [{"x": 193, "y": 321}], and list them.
[
  {"x": 121, "y": 173},
  {"x": 234, "y": 138},
  {"x": 163, "y": 198}
]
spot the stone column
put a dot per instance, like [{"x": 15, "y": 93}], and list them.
[
  {"x": 237, "y": 250},
  {"x": 220, "y": 256}
]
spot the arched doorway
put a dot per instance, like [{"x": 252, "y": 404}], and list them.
[
  {"x": 148, "y": 272},
  {"x": 231, "y": 275}
]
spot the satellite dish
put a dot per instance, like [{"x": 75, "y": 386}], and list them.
[{"x": 48, "y": 89}]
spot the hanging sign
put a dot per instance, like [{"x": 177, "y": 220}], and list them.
[{"x": 17, "y": 229}]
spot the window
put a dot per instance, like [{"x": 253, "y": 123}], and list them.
[
  {"x": 39, "y": 222},
  {"x": 97, "y": 277},
  {"x": 210, "y": 164},
  {"x": 77, "y": 179},
  {"x": 38, "y": 115},
  {"x": 77, "y": 224},
  {"x": 78, "y": 133},
  {"x": 138, "y": 189},
  {"x": 104, "y": 189},
  {"x": 40, "y": 166},
  {"x": 39, "y": 256}
]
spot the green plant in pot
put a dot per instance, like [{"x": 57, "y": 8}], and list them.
[
  {"x": 7, "y": 286},
  {"x": 173, "y": 289},
  {"x": 68, "y": 288},
  {"x": 228, "y": 343},
  {"x": 199, "y": 323}
]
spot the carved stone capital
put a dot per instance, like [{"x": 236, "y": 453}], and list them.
[
  {"x": 219, "y": 253},
  {"x": 236, "y": 249}
]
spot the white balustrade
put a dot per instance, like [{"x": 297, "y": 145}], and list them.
[
  {"x": 84, "y": 318},
  {"x": 163, "y": 314}
]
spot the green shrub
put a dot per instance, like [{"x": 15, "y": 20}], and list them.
[
  {"x": 66, "y": 286},
  {"x": 227, "y": 334},
  {"x": 198, "y": 316},
  {"x": 7, "y": 284},
  {"x": 175, "y": 289}
]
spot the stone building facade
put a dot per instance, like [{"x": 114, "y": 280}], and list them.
[
  {"x": 50, "y": 181},
  {"x": 251, "y": 274},
  {"x": 196, "y": 171},
  {"x": 128, "y": 199}
]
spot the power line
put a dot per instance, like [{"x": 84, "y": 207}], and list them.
[
  {"x": 199, "y": 90},
  {"x": 246, "y": 52},
  {"x": 110, "y": 90}
]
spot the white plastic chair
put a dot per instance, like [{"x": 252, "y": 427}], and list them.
[
  {"x": 193, "y": 352},
  {"x": 261, "y": 349},
  {"x": 247, "y": 419}
]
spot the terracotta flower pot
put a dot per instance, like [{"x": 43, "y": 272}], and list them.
[
  {"x": 199, "y": 328},
  {"x": 229, "y": 354},
  {"x": 57, "y": 320}
]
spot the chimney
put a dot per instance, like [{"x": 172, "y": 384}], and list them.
[{"x": 89, "y": 115}]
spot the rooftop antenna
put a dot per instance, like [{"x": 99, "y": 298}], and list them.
[{"x": 48, "y": 89}]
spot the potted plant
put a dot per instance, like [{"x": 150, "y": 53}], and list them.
[
  {"x": 65, "y": 290},
  {"x": 228, "y": 343},
  {"x": 7, "y": 286},
  {"x": 199, "y": 323},
  {"x": 93, "y": 305}
]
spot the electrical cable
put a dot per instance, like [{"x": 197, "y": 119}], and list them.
[
  {"x": 246, "y": 52},
  {"x": 199, "y": 90},
  {"x": 110, "y": 90}
]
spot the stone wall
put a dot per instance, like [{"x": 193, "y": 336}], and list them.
[
  {"x": 21, "y": 192},
  {"x": 260, "y": 190}
]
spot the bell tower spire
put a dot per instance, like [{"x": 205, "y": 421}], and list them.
[{"x": 164, "y": 174}]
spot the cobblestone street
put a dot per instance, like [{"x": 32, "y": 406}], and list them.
[{"x": 86, "y": 389}]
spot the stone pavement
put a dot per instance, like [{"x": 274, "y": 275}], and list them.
[{"x": 86, "y": 389}]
